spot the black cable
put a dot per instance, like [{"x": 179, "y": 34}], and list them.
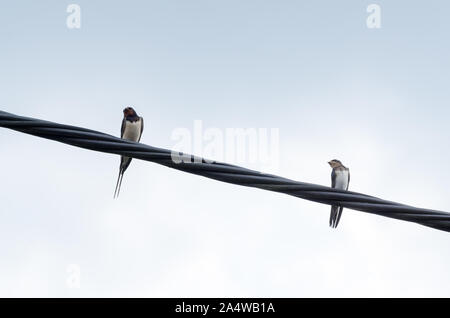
[{"x": 94, "y": 140}]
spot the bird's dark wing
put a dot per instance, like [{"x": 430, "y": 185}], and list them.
[
  {"x": 335, "y": 209},
  {"x": 122, "y": 129},
  {"x": 333, "y": 178},
  {"x": 348, "y": 182},
  {"x": 333, "y": 213},
  {"x": 142, "y": 128}
]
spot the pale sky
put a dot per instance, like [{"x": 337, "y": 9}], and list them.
[{"x": 377, "y": 99}]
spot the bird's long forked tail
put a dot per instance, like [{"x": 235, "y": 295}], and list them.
[
  {"x": 335, "y": 215},
  {"x": 119, "y": 183}
]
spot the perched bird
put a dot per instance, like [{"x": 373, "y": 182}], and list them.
[
  {"x": 132, "y": 127},
  {"x": 340, "y": 179}
]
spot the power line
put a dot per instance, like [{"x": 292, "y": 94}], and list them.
[{"x": 97, "y": 141}]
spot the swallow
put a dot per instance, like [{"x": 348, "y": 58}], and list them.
[
  {"x": 132, "y": 128},
  {"x": 340, "y": 179}
]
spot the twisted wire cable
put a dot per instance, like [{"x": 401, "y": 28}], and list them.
[{"x": 98, "y": 141}]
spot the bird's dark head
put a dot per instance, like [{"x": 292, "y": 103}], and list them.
[
  {"x": 129, "y": 112},
  {"x": 335, "y": 163}
]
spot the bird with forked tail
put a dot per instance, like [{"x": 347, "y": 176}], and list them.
[
  {"x": 132, "y": 128},
  {"x": 340, "y": 179}
]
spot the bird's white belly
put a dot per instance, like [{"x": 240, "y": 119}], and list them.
[
  {"x": 132, "y": 130},
  {"x": 342, "y": 179}
]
